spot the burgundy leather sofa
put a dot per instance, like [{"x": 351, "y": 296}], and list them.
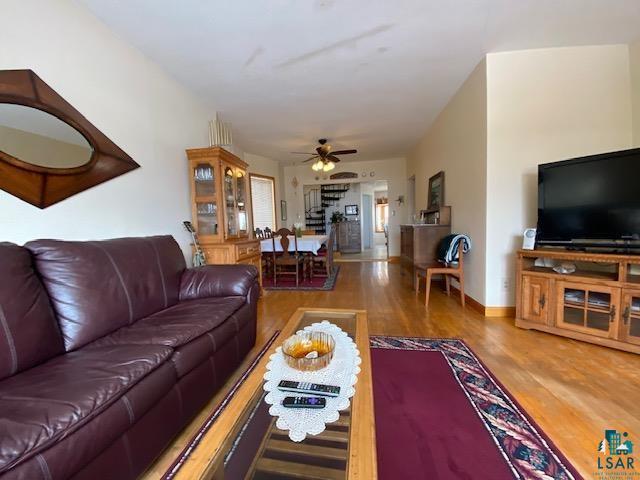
[{"x": 107, "y": 350}]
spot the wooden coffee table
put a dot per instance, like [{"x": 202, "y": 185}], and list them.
[{"x": 244, "y": 442}]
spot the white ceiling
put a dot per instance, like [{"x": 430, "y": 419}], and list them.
[{"x": 368, "y": 74}]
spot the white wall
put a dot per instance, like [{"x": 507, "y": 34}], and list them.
[
  {"x": 126, "y": 96},
  {"x": 543, "y": 106},
  {"x": 456, "y": 143},
  {"x": 634, "y": 66},
  {"x": 270, "y": 168},
  {"x": 393, "y": 170}
]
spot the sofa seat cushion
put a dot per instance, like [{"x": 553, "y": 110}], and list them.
[
  {"x": 190, "y": 355},
  {"x": 41, "y": 406},
  {"x": 194, "y": 328},
  {"x": 177, "y": 325}
]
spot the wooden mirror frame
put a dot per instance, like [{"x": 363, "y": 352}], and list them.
[{"x": 42, "y": 186}]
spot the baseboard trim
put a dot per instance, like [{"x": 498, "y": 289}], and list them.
[
  {"x": 493, "y": 312},
  {"x": 472, "y": 302},
  {"x": 501, "y": 312}
]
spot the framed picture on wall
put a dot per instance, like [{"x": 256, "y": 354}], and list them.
[
  {"x": 351, "y": 209},
  {"x": 283, "y": 210},
  {"x": 435, "y": 197}
]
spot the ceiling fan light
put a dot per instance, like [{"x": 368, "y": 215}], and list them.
[
  {"x": 328, "y": 166},
  {"x": 317, "y": 166}
]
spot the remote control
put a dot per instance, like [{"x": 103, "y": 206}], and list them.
[
  {"x": 304, "y": 402},
  {"x": 306, "y": 387}
]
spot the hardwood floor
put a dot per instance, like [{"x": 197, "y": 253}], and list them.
[{"x": 573, "y": 390}]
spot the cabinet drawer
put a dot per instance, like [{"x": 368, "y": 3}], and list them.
[
  {"x": 247, "y": 250},
  {"x": 255, "y": 261}
]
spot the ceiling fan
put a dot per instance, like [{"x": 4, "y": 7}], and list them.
[{"x": 325, "y": 159}]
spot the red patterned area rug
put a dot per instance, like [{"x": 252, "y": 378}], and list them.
[
  {"x": 440, "y": 414},
  {"x": 289, "y": 282}
]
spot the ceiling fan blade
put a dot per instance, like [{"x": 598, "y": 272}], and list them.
[
  {"x": 333, "y": 159},
  {"x": 344, "y": 152},
  {"x": 312, "y": 158},
  {"x": 302, "y": 153}
]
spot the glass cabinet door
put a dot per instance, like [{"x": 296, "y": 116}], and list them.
[
  {"x": 204, "y": 181},
  {"x": 230, "y": 202},
  {"x": 631, "y": 316},
  {"x": 587, "y": 309},
  {"x": 241, "y": 201}
]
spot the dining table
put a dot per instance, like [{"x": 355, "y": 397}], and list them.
[{"x": 306, "y": 243}]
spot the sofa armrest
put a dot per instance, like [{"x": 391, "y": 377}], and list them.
[{"x": 217, "y": 281}]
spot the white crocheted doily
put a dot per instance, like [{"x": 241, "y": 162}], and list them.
[{"x": 342, "y": 371}]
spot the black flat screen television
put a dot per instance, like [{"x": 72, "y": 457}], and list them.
[{"x": 590, "y": 201}]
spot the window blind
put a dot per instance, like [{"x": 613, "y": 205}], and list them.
[{"x": 262, "y": 202}]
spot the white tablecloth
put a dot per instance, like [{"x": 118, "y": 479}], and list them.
[{"x": 306, "y": 243}]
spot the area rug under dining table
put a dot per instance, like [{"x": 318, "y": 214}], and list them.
[{"x": 440, "y": 414}]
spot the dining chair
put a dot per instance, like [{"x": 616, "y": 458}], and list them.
[
  {"x": 286, "y": 259},
  {"x": 265, "y": 257},
  {"x": 324, "y": 258},
  {"x": 453, "y": 269},
  {"x": 267, "y": 232}
]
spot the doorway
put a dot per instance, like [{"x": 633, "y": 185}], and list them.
[
  {"x": 367, "y": 221},
  {"x": 411, "y": 199},
  {"x": 373, "y": 232}
]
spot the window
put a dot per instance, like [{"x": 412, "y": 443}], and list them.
[
  {"x": 263, "y": 203},
  {"x": 382, "y": 216}
]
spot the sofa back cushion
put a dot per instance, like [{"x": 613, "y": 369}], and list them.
[
  {"x": 98, "y": 287},
  {"x": 29, "y": 333}
]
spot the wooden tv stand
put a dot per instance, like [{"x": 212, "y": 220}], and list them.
[{"x": 598, "y": 303}]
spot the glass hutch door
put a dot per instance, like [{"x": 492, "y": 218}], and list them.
[
  {"x": 587, "y": 308},
  {"x": 241, "y": 201},
  {"x": 631, "y": 316},
  {"x": 206, "y": 205},
  {"x": 230, "y": 202}
]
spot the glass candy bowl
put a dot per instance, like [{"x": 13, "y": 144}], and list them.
[{"x": 308, "y": 351}]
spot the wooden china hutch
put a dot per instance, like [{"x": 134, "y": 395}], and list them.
[{"x": 220, "y": 199}]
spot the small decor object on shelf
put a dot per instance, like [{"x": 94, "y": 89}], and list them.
[
  {"x": 529, "y": 239},
  {"x": 351, "y": 209},
  {"x": 337, "y": 217},
  {"x": 435, "y": 198},
  {"x": 565, "y": 268},
  {"x": 308, "y": 351}
]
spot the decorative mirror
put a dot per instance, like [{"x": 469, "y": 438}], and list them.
[{"x": 48, "y": 150}]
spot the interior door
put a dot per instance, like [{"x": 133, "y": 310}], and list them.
[
  {"x": 367, "y": 221},
  {"x": 631, "y": 316},
  {"x": 591, "y": 309}
]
